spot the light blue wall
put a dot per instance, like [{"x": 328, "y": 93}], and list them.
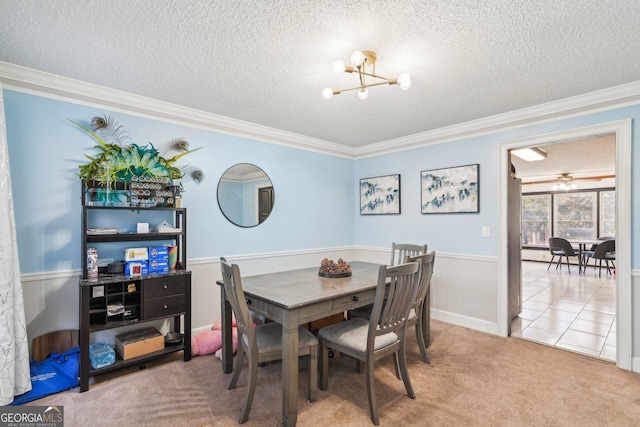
[
  {"x": 461, "y": 233},
  {"x": 313, "y": 191},
  {"x": 455, "y": 233}
]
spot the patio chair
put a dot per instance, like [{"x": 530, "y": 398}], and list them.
[{"x": 562, "y": 248}]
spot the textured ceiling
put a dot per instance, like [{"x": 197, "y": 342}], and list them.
[
  {"x": 266, "y": 62},
  {"x": 582, "y": 158}
]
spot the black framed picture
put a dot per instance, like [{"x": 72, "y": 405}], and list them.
[
  {"x": 450, "y": 190},
  {"x": 380, "y": 195}
]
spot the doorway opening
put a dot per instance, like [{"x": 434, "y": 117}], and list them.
[{"x": 622, "y": 283}]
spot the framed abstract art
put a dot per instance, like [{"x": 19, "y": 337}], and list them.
[
  {"x": 380, "y": 195},
  {"x": 450, "y": 190}
]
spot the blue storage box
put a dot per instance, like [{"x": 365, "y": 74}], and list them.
[
  {"x": 101, "y": 354},
  {"x": 157, "y": 266},
  {"x": 160, "y": 253}
]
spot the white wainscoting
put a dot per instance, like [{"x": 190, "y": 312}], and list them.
[
  {"x": 51, "y": 302},
  {"x": 463, "y": 288}
]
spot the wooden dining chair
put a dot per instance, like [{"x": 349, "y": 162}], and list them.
[
  {"x": 381, "y": 336},
  {"x": 417, "y": 313},
  {"x": 399, "y": 251},
  {"x": 261, "y": 343}
]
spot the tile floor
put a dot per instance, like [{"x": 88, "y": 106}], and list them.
[{"x": 575, "y": 312}]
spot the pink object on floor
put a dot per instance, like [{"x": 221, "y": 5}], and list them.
[{"x": 208, "y": 342}]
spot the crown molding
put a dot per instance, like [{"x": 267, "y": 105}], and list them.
[
  {"x": 39, "y": 83},
  {"x": 27, "y": 80},
  {"x": 588, "y": 103}
]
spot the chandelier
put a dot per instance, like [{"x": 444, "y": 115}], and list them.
[{"x": 364, "y": 63}]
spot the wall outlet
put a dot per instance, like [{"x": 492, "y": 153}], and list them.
[{"x": 486, "y": 231}]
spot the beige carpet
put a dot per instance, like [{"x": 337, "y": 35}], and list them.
[{"x": 474, "y": 379}]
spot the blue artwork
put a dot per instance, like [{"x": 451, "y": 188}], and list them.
[
  {"x": 450, "y": 190},
  {"x": 380, "y": 195}
]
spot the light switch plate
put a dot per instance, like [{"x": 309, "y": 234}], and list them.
[{"x": 486, "y": 231}]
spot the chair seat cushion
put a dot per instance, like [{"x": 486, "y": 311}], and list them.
[
  {"x": 352, "y": 333},
  {"x": 269, "y": 337},
  {"x": 558, "y": 252}
]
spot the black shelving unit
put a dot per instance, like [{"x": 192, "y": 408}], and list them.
[{"x": 140, "y": 299}]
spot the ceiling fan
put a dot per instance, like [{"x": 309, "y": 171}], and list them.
[{"x": 567, "y": 182}]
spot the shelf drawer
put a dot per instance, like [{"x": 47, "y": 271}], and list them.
[
  {"x": 164, "y": 287},
  {"x": 166, "y": 306}
]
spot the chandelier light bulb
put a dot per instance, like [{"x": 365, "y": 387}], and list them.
[
  {"x": 357, "y": 58},
  {"x": 363, "y": 93},
  {"x": 327, "y": 93},
  {"x": 339, "y": 67},
  {"x": 404, "y": 81}
]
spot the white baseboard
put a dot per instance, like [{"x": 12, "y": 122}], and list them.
[{"x": 465, "y": 321}]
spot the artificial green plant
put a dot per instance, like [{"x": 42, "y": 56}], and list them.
[{"x": 119, "y": 160}]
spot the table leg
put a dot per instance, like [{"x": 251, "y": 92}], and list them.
[
  {"x": 290, "y": 369},
  {"x": 227, "y": 344}
]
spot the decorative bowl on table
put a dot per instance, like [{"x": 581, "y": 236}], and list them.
[{"x": 329, "y": 268}]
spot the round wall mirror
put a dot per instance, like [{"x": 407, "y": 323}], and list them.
[{"x": 245, "y": 195}]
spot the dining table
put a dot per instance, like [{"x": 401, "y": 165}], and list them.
[
  {"x": 293, "y": 298},
  {"x": 582, "y": 248}
]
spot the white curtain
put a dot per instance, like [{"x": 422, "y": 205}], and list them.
[{"x": 15, "y": 378}]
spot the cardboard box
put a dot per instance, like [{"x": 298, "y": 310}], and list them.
[
  {"x": 136, "y": 254},
  {"x": 138, "y": 343}
]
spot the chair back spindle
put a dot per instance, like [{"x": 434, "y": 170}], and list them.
[
  {"x": 235, "y": 293},
  {"x": 427, "y": 262},
  {"x": 399, "y": 251},
  {"x": 390, "y": 314}
]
